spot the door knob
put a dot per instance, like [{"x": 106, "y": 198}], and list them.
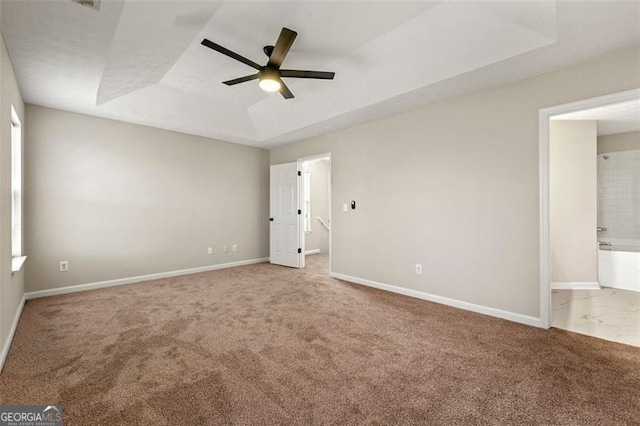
[{"x": 270, "y": 219}]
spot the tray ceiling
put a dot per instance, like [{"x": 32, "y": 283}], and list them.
[{"x": 142, "y": 62}]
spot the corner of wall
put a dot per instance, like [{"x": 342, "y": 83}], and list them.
[{"x": 11, "y": 285}]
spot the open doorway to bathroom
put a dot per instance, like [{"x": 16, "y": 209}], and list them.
[
  {"x": 316, "y": 210},
  {"x": 594, "y": 220}
]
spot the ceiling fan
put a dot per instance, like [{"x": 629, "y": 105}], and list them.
[{"x": 270, "y": 75}]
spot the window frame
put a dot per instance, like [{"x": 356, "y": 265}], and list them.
[{"x": 16, "y": 188}]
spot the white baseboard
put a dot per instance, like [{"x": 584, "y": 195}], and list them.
[
  {"x": 314, "y": 251},
  {"x": 581, "y": 285},
  {"x": 140, "y": 278},
  {"x": 12, "y": 331},
  {"x": 511, "y": 316}
]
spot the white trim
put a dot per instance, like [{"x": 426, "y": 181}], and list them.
[
  {"x": 140, "y": 278},
  {"x": 301, "y": 234},
  {"x": 511, "y": 316},
  {"x": 330, "y": 212},
  {"x": 17, "y": 185},
  {"x": 325, "y": 156},
  {"x": 586, "y": 285},
  {"x": 17, "y": 262},
  {"x": 545, "y": 251},
  {"x": 544, "y": 116},
  {"x": 325, "y": 224},
  {"x": 12, "y": 332},
  {"x": 314, "y": 251}
]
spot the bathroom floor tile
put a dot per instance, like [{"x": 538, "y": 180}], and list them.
[{"x": 609, "y": 313}]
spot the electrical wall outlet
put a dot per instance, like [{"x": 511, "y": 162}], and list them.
[
  {"x": 418, "y": 269},
  {"x": 210, "y": 250},
  {"x": 345, "y": 207},
  {"x": 64, "y": 266},
  {"x": 226, "y": 249},
  {"x": 234, "y": 247}
]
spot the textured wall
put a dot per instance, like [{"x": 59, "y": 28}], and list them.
[
  {"x": 119, "y": 200},
  {"x": 573, "y": 201},
  {"x": 454, "y": 186}
]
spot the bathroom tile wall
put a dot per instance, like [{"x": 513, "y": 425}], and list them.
[{"x": 619, "y": 195}]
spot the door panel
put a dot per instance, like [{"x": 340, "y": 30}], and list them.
[{"x": 284, "y": 219}]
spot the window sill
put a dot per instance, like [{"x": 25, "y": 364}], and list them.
[{"x": 17, "y": 263}]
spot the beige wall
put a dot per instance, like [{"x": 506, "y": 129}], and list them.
[
  {"x": 119, "y": 200},
  {"x": 619, "y": 142},
  {"x": 573, "y": 200},
  {"x": 454, "y": 186},
  {"x": 11, "y": 286},
  {"x": 318, "y": 238}
]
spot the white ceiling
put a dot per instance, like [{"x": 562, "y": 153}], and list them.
[
  {"x": 615, "y": 118},
  {"x": 142, "y": 62}
]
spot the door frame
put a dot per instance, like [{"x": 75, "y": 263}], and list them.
[
  {"x": 544, "y": 115},
  {"x": 301, "y": 160}
]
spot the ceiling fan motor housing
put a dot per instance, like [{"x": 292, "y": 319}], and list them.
[
  {"x": 268, "y": 73},
  {"x": 268, "y": 50}
]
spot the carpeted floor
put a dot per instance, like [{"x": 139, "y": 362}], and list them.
[{"x": 264, "y": 344}]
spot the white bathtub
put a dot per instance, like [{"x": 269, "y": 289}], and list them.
[{"x": 619, "y": 267}]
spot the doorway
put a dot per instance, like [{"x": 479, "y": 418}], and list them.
[
  {"x": 316, "y": 212},
  {"x": 589, "y": 210},
  {"x": 300, "y": 214}
]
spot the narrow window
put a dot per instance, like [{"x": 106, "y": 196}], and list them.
[{"x": 16, "y": 184}]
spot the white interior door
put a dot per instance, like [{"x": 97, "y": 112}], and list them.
[{"x": 285, "y": 218}]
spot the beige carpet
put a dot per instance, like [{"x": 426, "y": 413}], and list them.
[{"x": 264, "y": 344}]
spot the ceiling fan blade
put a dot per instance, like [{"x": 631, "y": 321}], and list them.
[
  {"x": 281, "y": 48},
  {"x": 229, "y": 53},
  {"x": 242, "y": 79},
  {"x": 322, "y": 75},
  {"x": 284, "y": 91}
]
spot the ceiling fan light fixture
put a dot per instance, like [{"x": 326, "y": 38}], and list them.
[
  {"x": 269, "y": 75},
  {"x": 269, "y": 80},
  {"x": 269, "y": 84}
]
